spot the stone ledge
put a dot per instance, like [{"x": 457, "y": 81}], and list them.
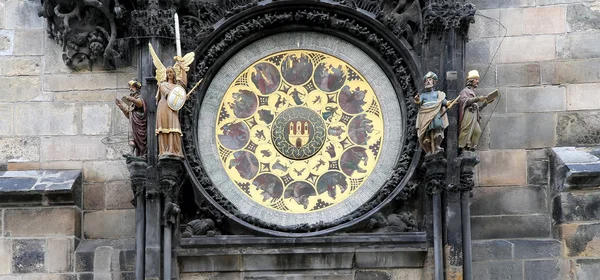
[
  {"x": 249, "y": 253},
  {"x": 575, "y": 168},
  {"x": 40, "y": 187}
]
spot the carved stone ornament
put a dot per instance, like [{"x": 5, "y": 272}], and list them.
[
  {"x": 102, "y": 32},
  {"x": 446, "y": 14},
  {"x": 391, "y": 53}
]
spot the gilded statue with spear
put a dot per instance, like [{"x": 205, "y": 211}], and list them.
[{"x": 170, "y": 97}]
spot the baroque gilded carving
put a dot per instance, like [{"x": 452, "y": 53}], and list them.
[{"x": 321, "y": 19}]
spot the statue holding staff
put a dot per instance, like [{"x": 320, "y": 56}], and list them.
[
  {"x": 469, "y": 107},
  {"x": 432, "y": 120}
]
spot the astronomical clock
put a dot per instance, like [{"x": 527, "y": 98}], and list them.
[{"x": 300, "y": 132}]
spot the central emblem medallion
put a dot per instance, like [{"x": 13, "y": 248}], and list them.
[{"x": 298, "y": 133}]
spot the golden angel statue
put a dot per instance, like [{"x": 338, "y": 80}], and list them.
[{"x": 170, "y": 97}]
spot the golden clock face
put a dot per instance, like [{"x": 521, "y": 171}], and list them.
[{"x": 299, "y": 131}]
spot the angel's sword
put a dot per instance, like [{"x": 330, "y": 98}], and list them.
[{"x": 177, "y": 36}]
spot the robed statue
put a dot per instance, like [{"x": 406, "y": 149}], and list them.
[
  {"x": 432, "y": 118},
  {"x": 170, "y": 96},
  {"x": 470, "y": 106},
  {"x": 134, "y": 108}
]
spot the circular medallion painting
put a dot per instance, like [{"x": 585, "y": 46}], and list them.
[{"x": 299, "y": 131}]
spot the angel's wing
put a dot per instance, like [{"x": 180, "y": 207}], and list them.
[
  {"x": 185, "y": 61},
  {"x": 161, "y": 70}
]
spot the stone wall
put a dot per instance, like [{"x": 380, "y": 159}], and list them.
[
  {"x": 548, "y": 73},
  {"x": 55, "y": 118}
]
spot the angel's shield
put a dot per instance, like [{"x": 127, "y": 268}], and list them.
[{"x": 176, "y": 98}]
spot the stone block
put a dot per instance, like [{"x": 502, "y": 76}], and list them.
[
  {"x": 578, "y": 45},
  {"x": 28, "y": 255},
  {"x": 372, "y": 275},
  {"x": 580, "y": 239},
  {"x": 587, "y": 268},
  {"x": 491, "y": 250},
  {"x": 582, "y": 17},
  {"x": 7, "y": 42},
  {"x": 109, "y": 224},
  {"x": 493, "y": 4},
  {"x": 481, "y": 27},
  {"x": 70, "y": 82},
  {"x": 297, "y": 261},
  {"x": 571, "y": 71},
  {"x": 512, "y": 19},
  {"x": 46, "y": 119},
  {"x": 212, "y": 263},
  {"x": 127, "y": 260},
  {"x": 60, "y": 165},
  {"x": 20, "y": 65},
  {"x": 47, "y": 221},
  {"x": 60, "y": 252},
  {"x": 505, "y": 227},
  {"x": 61, "y": 277},
  {"x": 96, "y": 119},
  {"x": 72, "y": 148},
  {"x": 537, "y": 172},
  {"x": 23, "y": 15},
  {"x": 536, "y": 20},
  {"x": 19, "y": 149},
  {"x": 547, "y": 270},
  {"x": 579, "y": 96},
  {"x": 21, "y": 166},
  {"x": 502, "y": 168},
  {"x": 5, "y": 256},
  {"x": 88, "y": 96},
  {"x": 103, "y": 171},
  {"x": 84, "y": 261},
  {"x": 509, "y": 200},
  {"x": 518, "y": 74},
  {"x": 556, "y": 2},
  {"x": 93, "y": 196},
  {"x": 2, "y": 16},
  {"x": 576, "y": 206},
  {"x": 21, "y": 88},
  {"x": 536, "y": 248},
  {"x": 118, "y": 195},
  {"x": 29, "y": 42},
  {"x": 6, "y": 122},
  {"x": 523, "y": 131},
  {"x": 575, "y": 168},
  {"x": 386, "y": 259},
  {"x": 536, "y": 99},
  {"x": 211, "y": 276},
  {"x": 480, "y": 51},
  {"x": 408, "y": 273},
  {"x": 521, "y": 49},
  {"x": 498, "y": 270},
  {"x": 578, "y": 128}
]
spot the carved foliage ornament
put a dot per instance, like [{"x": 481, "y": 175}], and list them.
[
  {"x": 448, "y": 14},
  {"x": 321, "y": 19}
]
